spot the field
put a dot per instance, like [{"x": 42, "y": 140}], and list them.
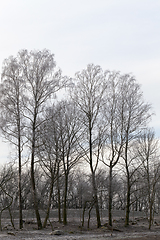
[{"x": 138, "y": 229}]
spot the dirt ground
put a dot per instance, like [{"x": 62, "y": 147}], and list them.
[{"x": 138, "y": 230}]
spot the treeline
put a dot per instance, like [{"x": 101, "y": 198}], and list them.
[{"x": 99, "y": 121}]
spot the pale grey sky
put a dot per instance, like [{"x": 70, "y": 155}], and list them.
[{"x": 115, "y": 34}]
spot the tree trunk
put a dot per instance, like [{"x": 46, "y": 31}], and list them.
[
  {"x": 39, "y": 223},
  {"x": 49, "y": 203},
  {"x": 19, "y": 184},
  {"x": 65, "y": 200},
  {"x": 151, "y": 211},
  {"x": 89, "y": 214},
  {"x": 94, "y": 180},
  {"x": 11, "y": 217},
  {"x": 84, "y": 209},
  {"x": 110, "y": 196},
  {"x": 150, "y": 215},
  {"x": 128, "y": 185},
  {"x": 1, "y": 220},
  {"x": 96, "y": 200},
  {"x": 59, "y": 197},
  {"x": 128, "y": 202}
]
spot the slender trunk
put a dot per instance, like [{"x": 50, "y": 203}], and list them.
[
  {"x": 20, "y": 163},
  {"x": 128, "y": 200},
  {"x": 128, "y": 185},
  {"x": 110, "y": 196},
  {"x": 65, "y": 200},
  {"x": 19, "y": 185},
  {"x": 49, "y": 203},
  {"x": 96, "y": 200},
  {"x": 93, "y": 179},
  {"x": 11, "y": 217},
  {"x": 59, "y": 197},
  {"x": 151, "y": 211},
  {"x": 39, "y": 223},
  {"x": 84, "y": 209},
  {"x": 89, "y": 214},
  {"x": 97, "y": 212},
  {"x": 136, "y": 205},
  {"x": 1, "y": 220},
  {"x": 150, "y": 215},
  {"x": 52, "y": 170}
]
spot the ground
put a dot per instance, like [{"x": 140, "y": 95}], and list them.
[{"x": 137, "y": 230}]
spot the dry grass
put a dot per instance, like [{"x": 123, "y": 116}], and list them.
[{"x": 138, "y": 229}]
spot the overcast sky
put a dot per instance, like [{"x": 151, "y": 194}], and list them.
[{"x": 118, "y": 35}]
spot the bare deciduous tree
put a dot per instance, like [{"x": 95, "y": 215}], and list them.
[
  {"x": 113, "y": 146},
  {"x": 88, "y": 94},
  {"x": 41, "y": 83},
  {"x": 69, "y": 131},
  {"x": 136, "y": 114},
  {"x": 148, "y": 154},
  {"x": 7, "y": 187},
  {"x": 11, "y": 105}
]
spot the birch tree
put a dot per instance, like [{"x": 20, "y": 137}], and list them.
[
  {"x": 48, "y": 157},
  {"x": 136, "y": 115},
  {"x": 69, "y": 129},
  {"x": 42, "y": 82},
  {"x": 113, "y": 146},
  {"x": 148, "y": 154},
  {"x": 88, "y": 94},
  {"x": 11, "y": 116}
]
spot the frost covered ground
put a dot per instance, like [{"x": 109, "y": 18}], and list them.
[{"x": 138, "y": 229}]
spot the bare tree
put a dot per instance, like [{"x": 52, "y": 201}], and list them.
[
  {"x": 88, "y": 94},
  {"x": 11, "y": 105},
  {"x": 113, "y": 146},
  {"x": 8, "y": 190},
  {"x": 69, "y": 131},
  {"x": 48, "y": 153},
  {"x": 135, "y": 116},
  {"x": 49, "y": 164},
  {"x": 148, "y": 154},
  {"x": 41, "y": 84}
]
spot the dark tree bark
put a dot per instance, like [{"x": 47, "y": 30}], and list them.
[
  {"x": 34, "y": 193},
  {"x": 110, "y": 196},
  {"x": 49, "y": 204},
  {"x": 59, "y": 201},
  {"x": 93, "y": 178},
  {"x": 20, "y": 187},
  {"x": 65, "y": 199}
]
